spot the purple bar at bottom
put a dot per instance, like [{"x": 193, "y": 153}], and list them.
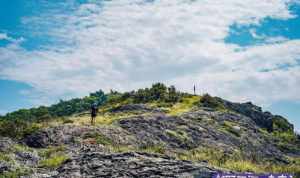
[{"x": 221, "y": 175}]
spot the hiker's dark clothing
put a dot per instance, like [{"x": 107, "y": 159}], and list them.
[{"x": 94, "y": 111}]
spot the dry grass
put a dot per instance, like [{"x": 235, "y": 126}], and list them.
[
  {"x": 237, "y": 163},
  {"x": 105, "y": 119},
  {"x": 186, "y": 105}
]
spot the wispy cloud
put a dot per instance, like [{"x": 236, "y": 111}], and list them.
[
  {"x": 126, "y": 44},
  {"x": 4, "y": 36}
]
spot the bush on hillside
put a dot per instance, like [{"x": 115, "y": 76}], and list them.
[
  {"x": 281, "y": 124},
  {"x": 17, "y": 128},
  {"x": 158, "y": 92},
  {"x": 211, "y": 102}
]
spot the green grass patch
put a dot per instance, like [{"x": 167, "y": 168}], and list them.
[
  {"x": 178, "y": 134},
  {"x": 102, "y": 119},
  {"x": 16, "y": 173},
  {"x": 158, "y": 148},
  {"x": 243, "y": 166},
  {"x": 48, "y": 152},
  {"x": 54, "y": 161},
  {"x": 120, "y": 148},
  {"x": 22, "y": 148},
  {"x": 185, "y": 105},
  {"x": 288, "y": 136},
  {"x": 291, "y": 169},
  {"x": 264, "y": 131},
  {"x": 214, "y": 157},
  {"x": 235, "y": 161},
  {"x": 52, "y": 157},
  {"x": 230, "y": 127},
  {"x": 68, "y": 121},
  {"x": 5, "y": 157}
]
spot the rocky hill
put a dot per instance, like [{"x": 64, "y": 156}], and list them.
[{"x": 170, "y": 135}]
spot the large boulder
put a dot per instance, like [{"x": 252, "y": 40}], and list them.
[
  {"x": 71, "y": 135},
  {"x": 54, "y": 136},
  {"x": 27, "y": 158},
  {"x": 131, "y": 164}
]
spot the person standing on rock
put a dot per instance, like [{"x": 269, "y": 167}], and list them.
[{"x": 93, "y": 113}]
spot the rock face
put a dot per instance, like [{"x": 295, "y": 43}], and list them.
[
  {"x": 262, "y": 119},
  {"x": 194, "y": 129},
  {"x": 132, "y": 164},
  {"x": 202, "y": 129},
  {"x": 69, "y": 135}
]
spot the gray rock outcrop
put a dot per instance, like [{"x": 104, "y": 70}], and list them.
[{"x": 132, "y": 164}]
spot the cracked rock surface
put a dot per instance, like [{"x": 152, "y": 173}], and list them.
[{"x": 132, "y": 164}]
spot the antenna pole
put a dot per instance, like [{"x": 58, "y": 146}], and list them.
[{"x": 194, "y": 89}]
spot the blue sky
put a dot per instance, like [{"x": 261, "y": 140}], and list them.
[{"x": 241, "y": 51}]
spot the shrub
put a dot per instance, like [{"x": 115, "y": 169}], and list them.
[
  {"x": 157, "y": 92},
  {"x": 280, "y": 124},
  {"x": 211, "y": 102},
  {"x": 17, "y": 128}
]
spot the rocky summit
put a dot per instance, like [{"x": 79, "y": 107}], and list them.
[{"x": 181, "y": 135}]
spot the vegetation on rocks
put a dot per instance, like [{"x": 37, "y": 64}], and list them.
[
  {"x": 211, "y": 102},
  {"x": 153, "y": 124},
  {"x": 54, "y": 161},
  {"x": 99, "y": 138}
]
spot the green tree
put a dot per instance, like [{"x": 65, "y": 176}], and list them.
[
  {"x": 173, "y": 95},
  {"x": 158, "y": 91}
]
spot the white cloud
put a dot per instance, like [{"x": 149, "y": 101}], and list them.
[
  {"x": 124, "y": 44},
  {"x": 3, "y": 36}
]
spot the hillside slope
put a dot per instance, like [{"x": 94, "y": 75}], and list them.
[{"x": 156, "y": 132}]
